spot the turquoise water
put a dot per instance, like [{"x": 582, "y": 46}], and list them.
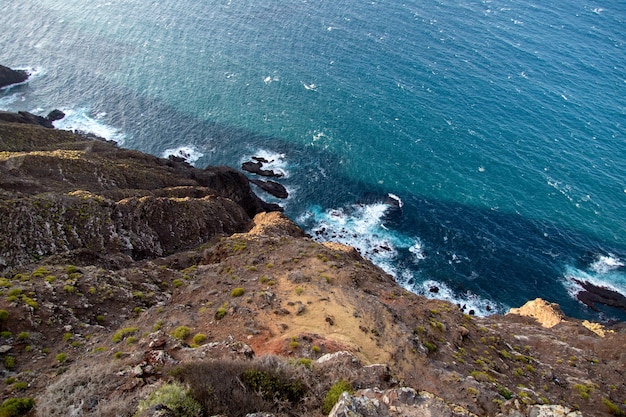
[{"x": 498, "y": 126}]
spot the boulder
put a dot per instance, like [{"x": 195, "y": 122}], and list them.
[
  {"x": 9, "y": 76},
  {"x": 55, "y": 115}
]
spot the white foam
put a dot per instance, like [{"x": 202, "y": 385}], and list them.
[
  {"x": 606, "y": 263},
  {"x": 468, "y": 302},
  {"x": 362, "y": 227},
  {"x": 188, "y": 152},
  {"x": 277, "y": 162},
  {"x": 396, "y": 198},
  {"x": 81, "y": 120}
]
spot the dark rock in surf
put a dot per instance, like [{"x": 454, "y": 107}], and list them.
[
  {"x": 593, "y": 295},
  {"x": 9, "y": 76},
  {"x": 257, "y": 168},
  {"x": 272, "y": 187},
  {"x": 55, "y": 115}
]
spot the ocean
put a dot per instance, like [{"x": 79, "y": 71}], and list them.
[{"x": 475, "y": 150}]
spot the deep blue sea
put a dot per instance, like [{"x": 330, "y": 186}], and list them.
[{"x": 478, "y": 147}]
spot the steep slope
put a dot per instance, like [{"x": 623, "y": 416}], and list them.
[{"x": 124, "y": 273}]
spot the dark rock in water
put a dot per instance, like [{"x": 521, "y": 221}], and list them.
[
  {"x": 55, "y": 115},
  {"x": 9, "y": 76},
  {"x": 257, "y": 168},
  {"x": 272, "y": 187},
  {"x": 594, "y": 294},
  {"x": 434, "y": 289},
  {"x": 260, "y": 159}
]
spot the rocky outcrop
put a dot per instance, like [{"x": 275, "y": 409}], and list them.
[
  {"x": 25, "y": 117},
  {"x": 547, "y": 314},
  {"x": 62, "y": 192},
  {"x": 398, "y": 402},
  {"x": 9, "y": 76}
]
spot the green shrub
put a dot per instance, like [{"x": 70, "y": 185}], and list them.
[
  {"x": 181, "y": 332},
  {"x": 14, "y": 292},
  {"x": 19, "y": 386},
  {"x": 613, "y": 409},
  {"x": 30, "y": 302},
  {"x": 71, "y": 269},
  {"x": 271, "y": 385},
  {"x": 174, "y": 396},
  {"x": 14, "y": 407},
  {"x": 100, "y": 319},
  {"x": 177, "y": 283},
  {"x": 123, "y": 333},
  {"x": 237, "y": 292},
  {"x": 306, "y": 362},
  {"x": 333, "y": 394},
  {"x": 9, "y": 362},
  {"x": 61, "y": 357},
  {"x": 430, "y": 346},
  {"x": 199, "y": 338},
  {"x": 220, "y": 313},
  {"x": 40, "y": 272},
  {"x": 4, "y": 315},
  {"x": 504, "y": 392},
  {"x": 23, "y": 336}
]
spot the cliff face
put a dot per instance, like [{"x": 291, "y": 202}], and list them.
[
  {"x": 63, "y": 193},
  {"x": 126, "y": 276}
]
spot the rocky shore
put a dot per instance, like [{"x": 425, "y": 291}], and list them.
[
  {"x": 9, "y": 76},
  {"x": 135, "y": 285}
]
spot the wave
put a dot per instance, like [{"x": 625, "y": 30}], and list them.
[
  {"x": 81, "y": 120},
  {"x": 362, "y": 226},
  {"x": 468, "y": 302},
  {"x": 188, "y": 152}
]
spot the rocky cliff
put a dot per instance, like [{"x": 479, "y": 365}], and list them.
[{"x": 133, "y": 285}]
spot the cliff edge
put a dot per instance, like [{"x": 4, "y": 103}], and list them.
[{"x": 134, "y": 285}]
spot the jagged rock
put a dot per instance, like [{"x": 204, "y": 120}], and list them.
[
  {"x": 547, "y": 314},
  {"x": 274, "y": 224},
  {"x": 594, "y": 294},
  {"x": 257, "y": 168},
  {"x": 400, "y": 402},
  {"x": 552, "y": 411},
  {"x": 9, "y": 76},
  {"x": 272, "y": 187},
  {"x": 338, "y": 356}
]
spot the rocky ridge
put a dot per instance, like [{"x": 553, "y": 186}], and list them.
[{"x": 125, "y": 275}]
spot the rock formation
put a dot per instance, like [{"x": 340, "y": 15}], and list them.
[
  {"x": 547, "y": 314},
  {"x": 9, "y": 76}
]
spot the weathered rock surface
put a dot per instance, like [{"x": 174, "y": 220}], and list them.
[
  {"x": 61, "y": 192},
  {"x": 398, "y": 402},
  {"x": 9, "y": 76},
  {"x": 547, "y": 314}
]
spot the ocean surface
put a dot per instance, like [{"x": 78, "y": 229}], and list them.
[{"x": 476, "y": 150}]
